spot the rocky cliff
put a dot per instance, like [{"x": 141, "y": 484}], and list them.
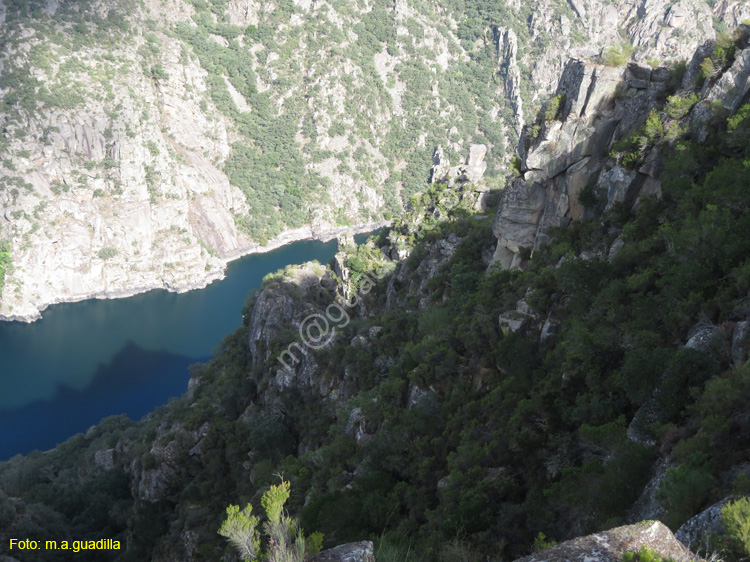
[
  {"x": 578, "y": 142},
  {"x": 145, "y": 144}
]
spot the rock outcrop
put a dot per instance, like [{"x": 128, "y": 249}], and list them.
[
  {"x": 507, "y": 48},
  {"x": 609, "y": 546},
  {"x": 351, "y": 552},
  {"x": 697, "y": 528},
  {"x": 568, "y": 149}
]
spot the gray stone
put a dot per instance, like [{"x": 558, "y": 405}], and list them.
[
  {"x": 706, "y": 522},
  {"x": 702, "y": 339},
  {"x": 105, "y": 459},
  {"x": 549, "y": 328},
  {"x": 648, "y": 506},
  {"x": 615, "y": 248},
  {"x": 513, "y": 321},
  {"x": 732, "y": 88},
  {"x": 351, "y": 552},
  {"x": 475, "y": 164},
  {"x": 609, "y": 546}
]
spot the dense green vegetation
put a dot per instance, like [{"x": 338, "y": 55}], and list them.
[
  {"x": 269, "y": 163},
  {"x": 5, "y": 262},
  {"x": 76, "y": 501}
]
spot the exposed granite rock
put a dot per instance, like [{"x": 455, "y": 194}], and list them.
[
  {"x": 706, "y": 522},
  {"x": 284, "y": 303},
  {"x": 732, "y": 12},
  {"x": 440, "y": 165},
  {"x": 105, "y": 459},
  {"x": 406, "y": 283},
  {"x": 351, "y": 552},
  {"x": 702, "y": 339},
  {"x": 507, "y": 48},
  {"x": 518, "y": 320},
  {"x": 152, "y": 477},
  {"x": 358, "y": 427},
  {"x": 513, "y": 321},
  {"x": 471, "y": 172},
  {"x": 732, "y": 89},
  {"x": 609, "y": 546},
  {"x": 569, "y": 153},
  {"x": 475, "y": 164},
  {"x": 647, "y": 506}
]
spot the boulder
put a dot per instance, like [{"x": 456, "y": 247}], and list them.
[
  {"x": 475, "y": 164},
  {"x": 513, "y": 321},
  {"x": 105, "y": 459},
  {"x": 702, "y": 339},
  {"x": 350, "y": 552},
  {"x": 609, "y": 546},
  {"x": 706, "y": 522}
]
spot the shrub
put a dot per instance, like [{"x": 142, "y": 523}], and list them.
[
  {"x": 541, "y": 542},
  {"x": 617, "y": 55},
  {"x": 107, "y": 253},
  {"x": 286, "y": 542},
  {"x": 685, "y": 489},
  {"x": 645, "y": 554},
  {"x": 4, "y": 262},
  {"x": 736, "y": 518},
  {"x": 515, "y": 166},
  {"x": 707, "y": 70},
  {"x": 678, "y": 107},
  {"x": 553, "y": 107}
]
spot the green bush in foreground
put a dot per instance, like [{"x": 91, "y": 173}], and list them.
[
  {"x": 736, "y": 518},
  {"x": 286, "y": 542}
]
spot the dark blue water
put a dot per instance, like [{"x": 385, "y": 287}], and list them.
[{"x": 88, "y": 360}]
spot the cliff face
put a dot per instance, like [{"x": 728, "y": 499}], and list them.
[
  {"x": 571, "y": 148},
  {"x": 144, "y": 145}
]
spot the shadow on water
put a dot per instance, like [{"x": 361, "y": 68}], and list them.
[
  {"x": 134, "y": 382},
  {"x": 89, "y": 360}
]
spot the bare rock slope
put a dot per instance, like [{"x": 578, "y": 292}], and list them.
[{"x": 609, "y": 546}]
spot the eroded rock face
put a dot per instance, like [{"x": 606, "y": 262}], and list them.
[
  {"x": 279, "y": 313},
  {"x": 648, "y": 506},
  {"x": 507, "y": 48},
  {"x": 609, "y": 546},
  {"x": 700, "y": 526},
  {"x": 414, "y": 283},
  {"x": 568, "y": 151}
]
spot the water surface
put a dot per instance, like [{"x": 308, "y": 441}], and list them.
[{"x": 88, "y": 360}]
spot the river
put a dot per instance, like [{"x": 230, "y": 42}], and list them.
[{"x": 88, "y": 360}]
